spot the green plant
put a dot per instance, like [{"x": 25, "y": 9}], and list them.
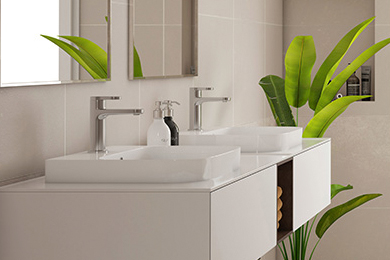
[
  {"x": 296, "y": 90},
  {"x": 298, "y": 240},
  {"x": 137, "y": 65},
  {"x": 90, "y": 56}
]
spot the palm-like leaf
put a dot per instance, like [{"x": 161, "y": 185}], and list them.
[
  {"x": 91, "y": 49},
  {"x": 90, "y": 65},
  {"x": 337, "y": 188},
  {"x": 337, "y": 212},
  {"x": 321, "y": 121},
  {"x": 331, "y": 90},
  {"x": 328, "y": 67},
  {"x": 299, "y": 61},
  {"x": 137, "y": 64},
  {"x": 273, "y": 87}
]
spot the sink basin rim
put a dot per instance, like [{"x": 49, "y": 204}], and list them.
[{"x": 91, "y": 168}]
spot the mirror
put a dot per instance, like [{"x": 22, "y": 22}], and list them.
[
  {"x": 163, "y": 38},
  {"x": 28, "y": 59}
]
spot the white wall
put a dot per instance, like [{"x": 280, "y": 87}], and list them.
[{"x": 240, "y": 41}]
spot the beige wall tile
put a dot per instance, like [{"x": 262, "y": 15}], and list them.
[
  {"x": 252, "y": 10},
  {"x": 173, "y": 50},
  {"x": 93, "y": 12},
  {"x": 149, "y": 43},
  {"x": 274, "y": 50},
  {"x": 32, "y": 129},
  {"x": 148, "y": 11},
  {"x": 381, "y": 12},
  {"x": 222, "y": 8},
  {"x": 248, "y": 42},
  {"x": 173, "y": 11},
  {"x": 274, "y": 12}
]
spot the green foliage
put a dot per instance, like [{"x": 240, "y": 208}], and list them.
[
  {"x": 295, "y": 91},
  {"x": 299, "y": 61},
  {"x": 337, "y": 188},
  {"x": 90, "y": 49},
  {"x": 321, "y": 121},
  {"x": 337, "y": 212},
  {"x": 137, "y": 65},
  {"x": 273, "y": 86},
  {"x": 299, "y": 239},
  {"x": 88, "y": 55},
  {"x": 331, "y": 90},
  {"x": 328, "y": 67}
]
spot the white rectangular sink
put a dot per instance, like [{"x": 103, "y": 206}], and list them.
[
  {"x": 250, "y": 139},
  {"x": 145, "y": 164}
]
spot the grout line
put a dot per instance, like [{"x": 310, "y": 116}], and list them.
[
  {"x": 163, "y": 48},
  {"x": 264, "y": 61},
  {"x": 234, "y": 67},
  {"x": 139, "y": 117},
  {"x": 65, "y": 124},
  {"x": 93, "y": 25},
  {"x": 154, "y": 24}
]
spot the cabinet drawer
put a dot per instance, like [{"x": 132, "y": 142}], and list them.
[
  {"x": 243, "y": 218},
  {"x": 311, "y": 183}
]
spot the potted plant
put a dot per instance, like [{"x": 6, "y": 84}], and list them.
[{"x": 296, "y": 90}]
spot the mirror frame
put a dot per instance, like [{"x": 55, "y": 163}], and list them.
[
  {"x": 68, "y": 82},
  {"x": 194, "y": 42}
]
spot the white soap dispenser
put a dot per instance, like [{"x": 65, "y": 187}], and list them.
[{"x": 158, "y": 132}]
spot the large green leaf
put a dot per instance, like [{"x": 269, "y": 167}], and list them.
[
  {"x": 299, "y": 61},
  {"x": 325, "y": 72},
  {"x": 331, "y": 90},
  {"x": 273, "y": 87},
  {"x": 337, "y": 212},
  {"x": 94, "y": 50},
  {"x": 336, "y": 188},
  {"x": 321, "y": 121},
  {"x": 89, "y": 65},
  {"x": 137, "y": 65}
]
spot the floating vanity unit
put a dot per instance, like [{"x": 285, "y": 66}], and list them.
[{"x": 230, "y": 216}]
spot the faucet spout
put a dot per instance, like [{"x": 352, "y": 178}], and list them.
[
  {"x": 202, "y": 100},
  {"x": 98, "y": 114},
  {"x": 196, "y": 101},
  {"x": 112, "y": 112}
]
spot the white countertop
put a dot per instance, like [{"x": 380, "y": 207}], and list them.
[{"x": 250, "y": 164}]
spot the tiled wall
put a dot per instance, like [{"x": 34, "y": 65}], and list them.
[
  {"x": 158, "y": 35},
  {"x": 360, "y": 136},
  {"x": 239, "y": 42}
]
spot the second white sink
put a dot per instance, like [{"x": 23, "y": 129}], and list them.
[
  {"x": 251, "y": 139},
  {"x": 145, "y": 164}
]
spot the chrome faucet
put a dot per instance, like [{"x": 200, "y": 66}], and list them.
[
  {"x": 97, "y": 124},
  {"x": 196, "y": 101}
]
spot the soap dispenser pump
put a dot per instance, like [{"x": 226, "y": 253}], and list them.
[
  {"x": 168, "y": 119},
  {"x": 158, "y": 132}
]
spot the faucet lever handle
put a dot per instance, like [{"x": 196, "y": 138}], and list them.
[
  {"x": 100, "y": 98},
  {"x": 99, "y": 101},
  {"x": 202, "y": 88}
]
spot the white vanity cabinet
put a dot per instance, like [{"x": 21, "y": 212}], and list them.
[
  {"x": 243, "y": 218},
  {"x": 229, "y": 218},
  {"x": 311, "y": 183},
  {"x": 236, "y": 221}
]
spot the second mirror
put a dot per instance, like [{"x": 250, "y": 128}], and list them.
[{"x": 163, "y": 38}]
